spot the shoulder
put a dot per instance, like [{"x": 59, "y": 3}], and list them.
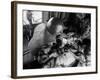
[
  {"x": 38, "y": 34},
  {"x": 40, "y": 27}
]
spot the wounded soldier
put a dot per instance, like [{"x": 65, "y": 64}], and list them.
[{"x": 60, "y": 55}]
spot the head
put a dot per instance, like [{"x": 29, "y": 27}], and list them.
[{"x": 55, "y": 26}]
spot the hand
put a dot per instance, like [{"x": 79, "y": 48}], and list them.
[{"x": 54, "y": 55}]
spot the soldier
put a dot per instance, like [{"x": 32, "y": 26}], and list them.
[{"x": 43, "y": 34}]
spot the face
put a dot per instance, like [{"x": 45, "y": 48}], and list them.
[{"x": 59, "y": 29}]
